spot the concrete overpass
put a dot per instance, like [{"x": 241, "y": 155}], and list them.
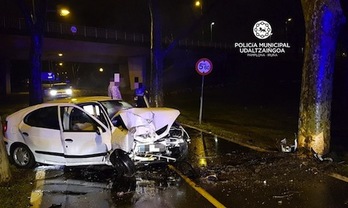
[
  {"x": 78, "y": 44},
  {"x": 81, "y": 44},
  {"x": 16, "y": 47}
]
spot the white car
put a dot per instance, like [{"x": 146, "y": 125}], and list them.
[
  {"x": 59, "y": 90},
  {"x": 93, "y": 131}
]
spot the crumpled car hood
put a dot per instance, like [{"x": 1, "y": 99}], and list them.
[{"x": 160, "y": 117}]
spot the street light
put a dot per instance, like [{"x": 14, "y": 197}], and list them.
[
  {"x": 211, "y": 31},
  {"x": 286, "y": 27},
  {"x": 64, "y": 12},
  {"x": 199, "y": 5}
]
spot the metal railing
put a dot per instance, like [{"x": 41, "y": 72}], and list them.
[
  {"x": 64, "y": 30},
  {"x": 70, "y": 31}
]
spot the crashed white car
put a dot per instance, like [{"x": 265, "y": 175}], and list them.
[{"x": 93, "y": 131}]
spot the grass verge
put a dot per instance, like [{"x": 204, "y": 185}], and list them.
[{"x": 16, "y": 192}]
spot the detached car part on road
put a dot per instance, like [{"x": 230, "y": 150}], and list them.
[{"x": 94, "y": 131}]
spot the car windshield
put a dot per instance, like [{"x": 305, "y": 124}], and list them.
[
  {"x": 60, "y": 86},
  {"x": 113, "y": 106}
]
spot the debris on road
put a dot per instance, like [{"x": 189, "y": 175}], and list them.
[{"x": 285, "y": 147}]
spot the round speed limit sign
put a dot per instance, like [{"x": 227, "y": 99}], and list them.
[{"x": 204, "y": 66}]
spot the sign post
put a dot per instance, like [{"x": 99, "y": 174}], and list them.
[{"x": 203, "y": 67}]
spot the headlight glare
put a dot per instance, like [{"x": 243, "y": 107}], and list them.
[
  {"x": 68, "y": 91},
  {"x": 53, "y": 92}
]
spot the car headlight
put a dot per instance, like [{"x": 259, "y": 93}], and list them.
[
  {"x": 68, "y": 91},
  {"x": 53, "y": 92}
]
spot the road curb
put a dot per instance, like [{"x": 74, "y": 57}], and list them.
[{"x": 259, "y": 149}]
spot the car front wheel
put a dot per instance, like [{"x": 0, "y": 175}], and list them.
[
  {"x": 22, "y": 157},
  {"x": 122, "y": 163}
]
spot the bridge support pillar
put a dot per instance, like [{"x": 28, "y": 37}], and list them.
[{"x": 136, "y": 67}]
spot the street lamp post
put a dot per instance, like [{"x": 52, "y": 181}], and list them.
[
  {"x": 211, "y": 31},
  {"x": 199, "y": 5},
  {"x": 288, "y": 21}
]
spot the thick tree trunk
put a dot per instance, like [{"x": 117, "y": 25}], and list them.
[
  {"x": 323, "y": 19},
  {"x": 5, "y": 174},
  {"x": 157, "y": 56},
  {"x": 35, "y": 85},
  {"x": 36, "y": 20}
]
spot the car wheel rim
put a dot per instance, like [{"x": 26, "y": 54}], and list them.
[{"x": 21, "y": 156}]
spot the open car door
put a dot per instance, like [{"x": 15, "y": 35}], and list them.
[{"x": 85, "y": 139}]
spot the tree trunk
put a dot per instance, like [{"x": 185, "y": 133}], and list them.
[
  {"x": 323, "y": 19},
  {"x": 35, "y": 19},
  {"x": 5, "y": 174},
  {"x": 35, "y": 85},
  {"x": 157, "y": 56}
]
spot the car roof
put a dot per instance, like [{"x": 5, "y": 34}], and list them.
[
  {"x": 60, "y": 83},
  {"x": 81, "y": 99},
  {"x": 25, "y": 110}
]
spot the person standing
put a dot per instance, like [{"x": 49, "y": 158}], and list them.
[
  {"x": 141, "y": 95},
  {"x": 114, "y": 91}
]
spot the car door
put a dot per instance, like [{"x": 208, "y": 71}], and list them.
[
  {"x": 85, "y": 139},
  {"x": 40, "y": 130}
]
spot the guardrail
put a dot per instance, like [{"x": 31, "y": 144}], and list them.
[{"x": 71, "y": 31}]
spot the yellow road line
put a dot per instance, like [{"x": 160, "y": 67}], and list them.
[
  {"x": 339, "y": 177},
  {"x": 200, "y": 190},
  {"x": 37, "y": 193}
]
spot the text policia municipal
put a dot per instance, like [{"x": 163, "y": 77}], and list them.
[{"x": 259, "y": 48}]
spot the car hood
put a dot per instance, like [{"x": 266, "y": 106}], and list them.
[{"x": 160, "y": 117}]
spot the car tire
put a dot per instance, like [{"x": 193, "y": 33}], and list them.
[
  {"x": 22, "y": 157},
  {"x": 123, "y": 163}
]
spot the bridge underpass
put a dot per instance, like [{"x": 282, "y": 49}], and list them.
[
  {"x": 83, "y": 44},
  {"x": 131, "y": 60}
]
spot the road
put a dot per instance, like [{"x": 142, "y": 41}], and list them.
[{"x": 197, "y": 186}]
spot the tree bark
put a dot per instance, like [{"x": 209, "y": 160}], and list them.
[
  {"x": 323, "y": 19},
  {"x": 35, "y": 85},
  {"x": 35, "y": 20},
  {"x": 157, "y": 56},
  {"x": 5, "y": 173}
]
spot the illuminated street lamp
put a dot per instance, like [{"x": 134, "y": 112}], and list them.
[
  {"x": 199, "y": 5},
  {"x": 289, "y": 20},
  {"x": 64, "y": 12},
  {"x": 211, "y": 31}
]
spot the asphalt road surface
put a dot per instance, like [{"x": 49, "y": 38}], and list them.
[{"x": 179, "y": 185}]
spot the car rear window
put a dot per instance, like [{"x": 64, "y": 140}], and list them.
[{"x": 46, "y": 117}]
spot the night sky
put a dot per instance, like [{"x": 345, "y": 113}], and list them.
[{"x": 233, "y": 19}]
